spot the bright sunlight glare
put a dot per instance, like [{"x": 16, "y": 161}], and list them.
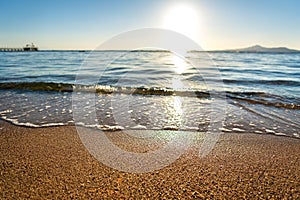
[
  {"x": 179, "y": 63},
  {"x": 183, "y": 19}
]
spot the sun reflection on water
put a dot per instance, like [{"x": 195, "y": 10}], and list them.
[
  {"x": 179, "y": 63},
  {"x": 177, "y": 103}
]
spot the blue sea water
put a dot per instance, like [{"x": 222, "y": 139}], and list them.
[{"x": 245, "y": 92}]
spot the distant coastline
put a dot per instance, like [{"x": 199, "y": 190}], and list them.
[
  {"x": 251, "y": 49},
  {"x": 256, "y": 49}
]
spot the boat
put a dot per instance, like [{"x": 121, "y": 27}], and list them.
[{"x": 30, "y": 47}]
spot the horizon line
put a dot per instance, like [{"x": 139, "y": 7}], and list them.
[{"x": 160, "y": 50}]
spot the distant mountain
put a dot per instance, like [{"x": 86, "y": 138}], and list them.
[{"x": 261, "y": 49}]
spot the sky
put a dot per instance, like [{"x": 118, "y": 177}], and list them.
[{"x": 213, "y": 24}]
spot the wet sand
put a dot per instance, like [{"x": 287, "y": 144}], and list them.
[{"x": 52, "y": 163}]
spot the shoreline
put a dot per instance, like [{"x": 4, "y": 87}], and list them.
[{"x": 52, "y": 163}]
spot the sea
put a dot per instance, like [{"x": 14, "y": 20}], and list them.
[{"x": 153, "y": 90}]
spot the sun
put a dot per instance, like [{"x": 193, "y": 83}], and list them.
[{"x": 183, "y": 19}]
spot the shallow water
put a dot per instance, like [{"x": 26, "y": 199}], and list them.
[{"x": 257, "y": 93}]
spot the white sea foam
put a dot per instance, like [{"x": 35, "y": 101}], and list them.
[
  {"x": 282, "y": 134},
  {"x": 238, "y": 129},
  {"x": 270, "y": 131},
  {"x": 141, "y": 127}
]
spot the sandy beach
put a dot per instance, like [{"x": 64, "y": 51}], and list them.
[{"x": 52, "y": 163}]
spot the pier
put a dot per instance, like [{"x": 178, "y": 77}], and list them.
[
  {"x": 9, "y": 49},
  {"x": 28, "y": 47}
]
